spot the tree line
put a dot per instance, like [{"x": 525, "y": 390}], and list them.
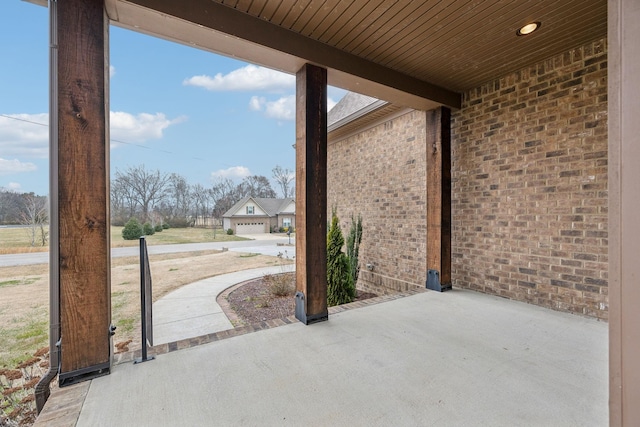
[
  {"x": 157, "y": 197},
  {"x": 26, "y": 209},
  {"x": 152, "y": 196}
]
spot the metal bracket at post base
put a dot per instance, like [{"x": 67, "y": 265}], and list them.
[
  {"x": 433, "y": 282},
  {"x": 301, "y": 314},
  {"x": 84, "y": 374}
]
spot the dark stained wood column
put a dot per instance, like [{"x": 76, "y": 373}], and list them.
[
  {"x": 439, "y": 199},
  {"x": 311, "y": 194},
  {"x": 82, "y": 189}
]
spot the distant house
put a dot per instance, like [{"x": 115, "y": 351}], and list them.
[{"x": 254, "y": 215}]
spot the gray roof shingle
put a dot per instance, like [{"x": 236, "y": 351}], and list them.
[
  {"x": 271, "y": 206},
  {"x": 350, "y": 103}
]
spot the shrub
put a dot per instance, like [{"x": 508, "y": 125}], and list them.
[
  {"x": 353, "y": 247},
  {"x": 132, "y": 230},
  {"x": 148, "y": 229},
  {"x": 158, "y": 228},
  {"x": 165, "y": 226},
  {"x": 230, "y": 231},
  {"x": 118, "y": 221},
  {"x": 340, "y": 287},
  {"x": 280, "y": 285},
  {"x": 177, "y": 222}
]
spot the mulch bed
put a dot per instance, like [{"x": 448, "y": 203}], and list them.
[{"x": 254, "y": 302}]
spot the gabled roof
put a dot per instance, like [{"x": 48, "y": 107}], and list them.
[
  {"x": 354, "y": 111},
  {"x": 352, "y": 104},
  {"x": 272, "y": 207}
]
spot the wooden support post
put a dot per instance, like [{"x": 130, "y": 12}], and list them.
[
  {"x": 624, "y": 205},
  {"x": 311, "y": 194},
  {"x": 439, "y": 199},
  {"x": 82, "y": 177}
]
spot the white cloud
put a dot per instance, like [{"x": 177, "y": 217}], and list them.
[
  {"x": 256, "y": 103},
  {"x": 139, "y": 128},
  {"x": 13, "y": 186},
  {"x": 248, "y": 78},
  {"x": 232, "y": 172},
  {"x": 9, "y": 167},
  {"x": 282, "y": 109},
  {"x": 24, "y": 135},
  {"x": 27, "y": 135},
  {"x": 112, "y": 71}
]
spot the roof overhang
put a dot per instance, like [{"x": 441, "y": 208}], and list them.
[
  {"x": 412, "y": 54},
  {"x": 221, "y": 29}
]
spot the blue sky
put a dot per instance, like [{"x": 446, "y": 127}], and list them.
[{"x": 173, "y": 108}]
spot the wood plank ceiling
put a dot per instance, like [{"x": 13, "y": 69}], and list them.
[
  {"x": 456, "y": 44},
  {"x": 452, "y": 45}
]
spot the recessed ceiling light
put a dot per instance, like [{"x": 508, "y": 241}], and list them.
[{"x": 528, "y": 29}]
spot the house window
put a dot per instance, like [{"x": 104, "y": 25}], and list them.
[
  {"x": 249, "y": 210},
  {"x": 286, "y": 222}
]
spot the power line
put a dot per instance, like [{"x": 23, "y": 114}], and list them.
[
  {"x": 110, "y": 139},
  {"x": 24, "y": 120}
]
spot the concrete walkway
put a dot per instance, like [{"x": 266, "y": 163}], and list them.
[{"x": 192, "y": 310}]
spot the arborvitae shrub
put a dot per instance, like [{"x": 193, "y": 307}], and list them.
[
  {"x": 132, "y": 230},
  {"x": 340, "y": 287},
  {"x": 353, "y": 247},
  {"x": 165, "y": 226},
  {"x": 230, "y": 231},
  {"x": 158, "y": 228},
  {"x": 148, "y": 229}
]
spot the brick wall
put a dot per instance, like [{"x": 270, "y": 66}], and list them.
[
  {"x": 380, "y": 174},
  {"x": 529, "y": 190},
  {"x": 529, "y": 173}
]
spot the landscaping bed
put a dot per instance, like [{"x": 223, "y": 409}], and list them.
[{"x": 269, "y": 297}]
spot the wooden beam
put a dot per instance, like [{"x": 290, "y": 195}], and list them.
[
  {"x": 82, "y": 183},
  {"x": 439, "y": 199},
  {"x": 624, "y": 204},
  {"x": 311, "y": 194},
  {"x": 197, "y": 17}
]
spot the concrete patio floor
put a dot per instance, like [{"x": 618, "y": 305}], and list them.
[{"x": 458, "y": 358}]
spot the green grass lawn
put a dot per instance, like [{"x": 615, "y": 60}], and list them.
[
  {"x": 175, "y": 235},
  {"x": 16, "y": 240}
]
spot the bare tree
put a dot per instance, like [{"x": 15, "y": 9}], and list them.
[
  {"x": 224, "y": 195},
  {"x": 177, "y": 204},
  {"x": 284, "y": 178},
  {"x": 256, "y": 186},
  {"x": 35, "y": 216},
  {"x": 10, "y": 207},
  {"x": 201, "y": 203},
  {"x": 123, "y": 204},
  {"x": 147, "y": 188}
]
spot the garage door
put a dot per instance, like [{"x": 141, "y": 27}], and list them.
[{"x": 250, "y": 228}]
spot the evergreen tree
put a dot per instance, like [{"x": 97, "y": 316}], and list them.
[
  {"x": 353, "y": 247},
  {"x": 340, "y": 287},
  {"x": 132, "y": 230},
  {"x": 148, "y": 229}
]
